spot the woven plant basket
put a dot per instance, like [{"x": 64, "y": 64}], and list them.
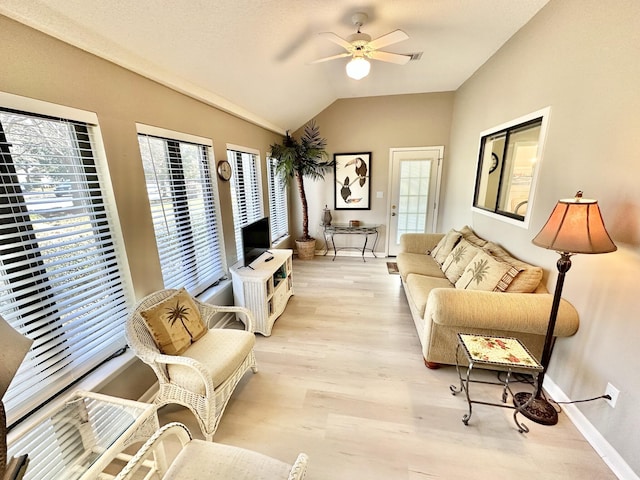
[{"x": 306, "y": 250}]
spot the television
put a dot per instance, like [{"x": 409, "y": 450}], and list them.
[{"x": 256, "y": 239}]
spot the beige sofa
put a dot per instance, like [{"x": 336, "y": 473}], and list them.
[{"x": 458, "y": 282}]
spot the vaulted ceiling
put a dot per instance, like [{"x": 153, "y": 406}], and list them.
[{"x": 252, "y": 57}]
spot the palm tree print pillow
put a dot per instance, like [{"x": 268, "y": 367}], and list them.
[
  {"x": 175, "y": 323},
  {"x": 484, "y": 272}
]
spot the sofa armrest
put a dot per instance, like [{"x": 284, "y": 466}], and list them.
[
  {"x": 517, "y": 312},
  {"x": 419, "y": 242}
]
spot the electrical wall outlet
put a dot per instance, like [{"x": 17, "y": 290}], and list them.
[{"x": 613, "y": 392}]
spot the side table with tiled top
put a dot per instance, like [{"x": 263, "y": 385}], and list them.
[{"x": 495, "y": 353}]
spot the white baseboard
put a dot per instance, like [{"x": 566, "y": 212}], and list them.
[{"x": 610, "y": 456}]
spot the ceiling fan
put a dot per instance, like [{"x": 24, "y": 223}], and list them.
[{"x": 361, "y": 48}]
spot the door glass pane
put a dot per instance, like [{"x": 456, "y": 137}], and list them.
[{"x": 414, "y": 194}]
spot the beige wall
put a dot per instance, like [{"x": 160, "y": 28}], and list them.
[
  {"x": 581, "y": 58},
  {"x": 43, "y": 68},
  {"x": 373, "y": 124}
]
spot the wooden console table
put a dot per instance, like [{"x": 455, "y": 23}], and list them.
[{"x": 330, "y": 231}]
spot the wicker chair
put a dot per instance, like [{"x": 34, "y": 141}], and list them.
[
  {"x": 198, "y": 459},
  {"x": 206, "y": 374}
]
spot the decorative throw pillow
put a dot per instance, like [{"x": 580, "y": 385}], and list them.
[
  {"x": 458, "y": 260},
  {"x": 445, "y": 245},
  {"x": 174, "y": 323},
  {"x": 483, "y": 273},
  {"x": 507, "y": 278},
  {"x": 529, "y": 277},
  {"x": 470, "y": 236}
]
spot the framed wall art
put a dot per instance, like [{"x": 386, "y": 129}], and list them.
[{"x": 352, "y": 187}]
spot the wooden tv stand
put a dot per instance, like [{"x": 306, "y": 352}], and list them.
[{"x": 265, "y": 288}]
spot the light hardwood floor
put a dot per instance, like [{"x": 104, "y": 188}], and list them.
[{"x": 341, "y": 378}]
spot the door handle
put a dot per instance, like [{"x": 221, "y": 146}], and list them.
[{"x": 393, "y": 214}]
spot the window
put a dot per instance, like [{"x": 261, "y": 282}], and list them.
[
  {"x": 507, "y": 167},
  {"x": 278, "y": 213},
  {"x": 183, "y": 203},
  {"x": 246, "y": 194},
  {"x": 60, "y": 274}
]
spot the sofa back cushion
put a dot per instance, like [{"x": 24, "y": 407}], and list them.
[
  {"x": 527, "y": 280},
  {"x": 470, "y": 236},
  {"x": 445, "y": 245}
]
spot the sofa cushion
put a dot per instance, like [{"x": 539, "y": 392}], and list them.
[
  {"x": 458, "y": 260},
  {"x": 417, "y": 263},
  {"x": 484, "y": 272},
  {"x": 444, "y": 246},
  {"x": 527, "y": 280},
  {"x": 419, "y": 287},
  {"x": 470, "y": 236}
]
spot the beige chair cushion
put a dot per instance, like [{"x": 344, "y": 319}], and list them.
[
  {"x": 445, "y": 245},
  {"x": 484, "y": 273},
  {"x": 207, "y": 460},
  {"x": 220, "y": 352},
  {"x": 174, "y": 323},
  {"x": 458, "y": 260},
  {"x": 527, "y": 280}
]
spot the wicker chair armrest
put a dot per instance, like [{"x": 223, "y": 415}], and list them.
[
  {"x": 208, "y": 310},
  {"x": 299, "y": 468},
  {"x": 171, "y": 429}
]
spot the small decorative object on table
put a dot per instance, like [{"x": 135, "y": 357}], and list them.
[
  {"x": 354, "y": 223},
  {"x": 326, "y": 218}
]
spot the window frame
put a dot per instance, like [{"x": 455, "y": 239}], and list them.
[
  {"x": 99, "y": 237},
  {"x": 194, "y": 282},
  {"x": 240, "y": 219},
  {"x": 482, "y": 171},
  {"x": 278, "y": 203}
]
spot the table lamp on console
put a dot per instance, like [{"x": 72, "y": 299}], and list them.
[
  {"x": 13, "y": 348},
  {"x": 575, "y": 226}
]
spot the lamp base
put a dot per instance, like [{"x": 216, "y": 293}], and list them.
[{"x": 539, "y": 410}]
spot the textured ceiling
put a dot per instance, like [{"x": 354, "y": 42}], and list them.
[{"x": 251, "y": 57}]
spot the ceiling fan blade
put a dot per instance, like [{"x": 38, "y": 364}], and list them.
[
  {"x": 336, "y": 39},
  {"x": 333, "y": 57},
  {"x": 390, "y": 57},
  {"x": 393, "y": 37}
]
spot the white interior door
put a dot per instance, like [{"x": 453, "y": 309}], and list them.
[{"x": 414, "y": 191}]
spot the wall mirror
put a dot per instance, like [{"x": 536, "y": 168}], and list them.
[{"x": 508, "y": 163}]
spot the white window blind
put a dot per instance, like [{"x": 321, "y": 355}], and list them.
[
  {"x": 246, "y": 194},
  {"x": 183, "y": 207},
  {"x": 278, "y": 213},
  {"x": 60, "y": 275}
]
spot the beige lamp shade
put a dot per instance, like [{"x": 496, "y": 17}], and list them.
[
  {"x": 13, "y": 348},
  {"x": 575, "y": 226}
]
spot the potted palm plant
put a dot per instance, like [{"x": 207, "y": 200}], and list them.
[{"x": 298, "y": 159}]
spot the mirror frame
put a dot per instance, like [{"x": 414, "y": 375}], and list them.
[{"x": 496, "y": 167}]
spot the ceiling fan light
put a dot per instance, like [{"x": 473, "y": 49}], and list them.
[{"x": 358, "y": 68}]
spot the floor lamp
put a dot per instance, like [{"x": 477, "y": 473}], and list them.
[
  {"x": 13, "y": 348},
  {"x": 575, "y": 226}
]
